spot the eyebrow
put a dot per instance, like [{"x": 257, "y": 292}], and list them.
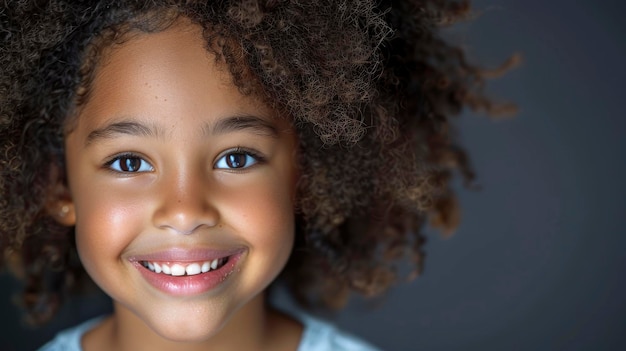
[
  {"x": 225, "y": 125},
  {"x": 236, "y": 123},
  {"x": 122, "y": 128}
]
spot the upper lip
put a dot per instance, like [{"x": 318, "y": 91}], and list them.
[{"x": 186, "y": 255}]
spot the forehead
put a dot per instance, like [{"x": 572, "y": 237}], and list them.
[{"x": 150, "y": 72}]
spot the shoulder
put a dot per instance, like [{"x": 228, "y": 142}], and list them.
[
  {"x": 319, "y": 335},
  {"x": 69, "y": 339}
]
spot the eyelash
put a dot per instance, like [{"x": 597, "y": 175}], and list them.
[
  {"x": 256, "y": 159},
  {"x": 109, "y": 164}
]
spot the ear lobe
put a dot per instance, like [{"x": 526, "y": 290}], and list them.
[
  {"x": 63, "y": 212},
  {"x": 60, "y": 205}
]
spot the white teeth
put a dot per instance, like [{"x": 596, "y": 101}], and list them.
[
  {"x": 193, "y": 269},
  {"x": 206, "y": 266},
  {"x": 178, "y": 270},
  {"x": 181, "y": 269},
  {"x": 166, "y": 269}
]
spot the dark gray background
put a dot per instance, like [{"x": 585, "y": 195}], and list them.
[{"x": 537, "y": 263}]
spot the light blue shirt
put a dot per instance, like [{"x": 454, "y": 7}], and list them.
[{"x": 317, "y": 336}]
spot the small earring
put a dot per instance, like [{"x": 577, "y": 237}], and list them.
[{"x": 65, "y": 209}]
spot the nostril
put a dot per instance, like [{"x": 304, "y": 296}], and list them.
[
  {"x": 180, "y": 229},
  {"x": 183, "y": 211}
]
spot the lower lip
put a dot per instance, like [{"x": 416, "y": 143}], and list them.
[{"x": 187, "y": 285}]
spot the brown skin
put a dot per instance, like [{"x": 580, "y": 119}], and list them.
[
  {"x": 372, "y": 86},
  {"x": 280, "y": 332},
  {"x": 181, "y": 196}
]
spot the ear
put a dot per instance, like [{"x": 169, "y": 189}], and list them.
[{"x": 59, "y": 204}]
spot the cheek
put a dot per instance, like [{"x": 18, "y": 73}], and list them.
[
  {"x": 263, "y": 214},
  {"x": 267, "y": 213},
  {"x": 105, "y": 226}
]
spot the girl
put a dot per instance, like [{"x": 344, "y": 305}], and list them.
[{"x": 190, "y": 152}]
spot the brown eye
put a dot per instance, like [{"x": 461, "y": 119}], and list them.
[
  {"x": 236, "y": 160},
  {"x": 130, "y": 164}
]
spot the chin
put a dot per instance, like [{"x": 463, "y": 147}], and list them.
[
  {"x": 187, "y": 336},
  {"x": 180, "y": 324},
  {"x": 186, "y": 331}
]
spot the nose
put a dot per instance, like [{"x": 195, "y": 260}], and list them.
[{"x": 185, "y": 204}]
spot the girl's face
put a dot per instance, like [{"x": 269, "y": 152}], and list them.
[{"x": 171, "y": 167}]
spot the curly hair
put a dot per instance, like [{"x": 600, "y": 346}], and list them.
[{"x": 370, "y": 87}]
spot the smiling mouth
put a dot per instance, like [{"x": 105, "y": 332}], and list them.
[{"x": 179, "y": 269}]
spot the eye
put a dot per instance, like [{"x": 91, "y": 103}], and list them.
[
  {"x": 129, "y": 164},
  {"x": 236, "y": 160}
]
